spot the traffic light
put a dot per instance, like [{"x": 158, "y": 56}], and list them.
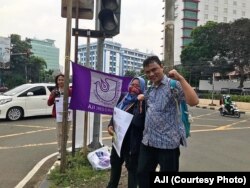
[{"x": 109, "y": 17}]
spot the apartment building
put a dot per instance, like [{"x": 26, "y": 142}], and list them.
[
  {"x": 116, "y": 59},
  {"x": 192, "y": 13}
]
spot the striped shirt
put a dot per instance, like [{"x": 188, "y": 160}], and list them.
[{"x": 163, "y": 126}]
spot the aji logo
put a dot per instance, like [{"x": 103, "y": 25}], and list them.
[{"x": 105, "y": 91}]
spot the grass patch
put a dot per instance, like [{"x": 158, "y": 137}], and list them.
[{"x": 79, "y": 173}]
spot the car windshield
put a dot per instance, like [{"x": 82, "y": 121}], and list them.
[{"x": 17, "y": 89}]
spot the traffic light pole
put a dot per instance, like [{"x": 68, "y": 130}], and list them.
[{"x": 99, "y": 66}]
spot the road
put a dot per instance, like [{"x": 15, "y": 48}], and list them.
[
  {"x": 216, "y": 144},
  {"x": 23, "y": 144}
]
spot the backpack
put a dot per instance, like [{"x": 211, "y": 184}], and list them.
[{"x": 183, "y": 109}]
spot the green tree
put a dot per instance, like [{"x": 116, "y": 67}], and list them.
[
  {"x": 47, "y": 76},
  {"x": 131, "y": 73},
  {"x": 16, "y": 75},
  {"x": 199, "y": 54},
  {"x": 237, "y": 41},
  {"x": 36, "y": 68},
  {"x": 24, "y": 67},
  {"x": 219, "y": 48}
]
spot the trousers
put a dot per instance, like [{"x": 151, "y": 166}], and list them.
[
  {"x": 150, "y": 157},
  {"x": 131, "y": 163}
]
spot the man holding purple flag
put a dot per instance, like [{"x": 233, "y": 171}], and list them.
[{"x": 95, "y": 91}]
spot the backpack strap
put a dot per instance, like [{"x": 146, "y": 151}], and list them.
[
  {"x": 172, "y": 84},
  {"x": 173, "y": 90},
  {"x": 182, "y": 109}
]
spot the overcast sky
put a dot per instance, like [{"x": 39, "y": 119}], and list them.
[{"x": 141, "y": 23}]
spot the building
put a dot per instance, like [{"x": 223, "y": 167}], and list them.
[
  {"x": 47, "y": 50},
  {"x": 4, "y": 52},
  {"x": 192, "y": 13},
  {"x": 116, "y": 59}
]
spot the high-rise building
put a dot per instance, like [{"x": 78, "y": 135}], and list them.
[
  {"x": 116, "y": 59},
  {"x": 192, "y": 13},
  {"x": 47, "y": 50}
]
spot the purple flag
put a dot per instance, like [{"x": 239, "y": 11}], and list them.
[{"x": 96, "y": 91}]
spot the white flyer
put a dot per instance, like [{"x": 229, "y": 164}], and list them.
[
  {"x": 121, "y": 122},
  {"x": 59, "y": 109}
]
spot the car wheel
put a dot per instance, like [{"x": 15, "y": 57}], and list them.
[{"x": 14, "y": 114}]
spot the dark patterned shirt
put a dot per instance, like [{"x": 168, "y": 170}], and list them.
[{"x": 163, "y": 126}]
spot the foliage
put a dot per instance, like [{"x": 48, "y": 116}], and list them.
[
  {"x": 35, "y": 68},
  {"x": 79, "y": 173},
  {"x": 24, "y": 67},
  {"x": 196, "y": 56},
  {"x": 238, "y": 42},
  {"x": 218, "y": 47},
  {"x": 184, "y": 72},
  {"x": 131, "y": 73},
  {"x": 237, "y": 98}
]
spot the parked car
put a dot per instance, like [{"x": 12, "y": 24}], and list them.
[{"x": 26, "y": 100}]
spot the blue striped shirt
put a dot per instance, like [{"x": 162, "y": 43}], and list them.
[{"x": 163, "y": 126}]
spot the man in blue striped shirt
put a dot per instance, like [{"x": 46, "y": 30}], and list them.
[{"x": 164, "y": 131}]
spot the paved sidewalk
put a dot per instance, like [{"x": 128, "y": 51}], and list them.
[{"x": 215, "y": 107}]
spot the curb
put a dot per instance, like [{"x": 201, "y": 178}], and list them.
[
  {"x": 217, "y": 108},
  {"x": 35, "y": 169}
]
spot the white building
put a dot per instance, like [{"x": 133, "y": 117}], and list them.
[
  {"x": 116, "y": 59},
  {"x": 192, "y": 13}
]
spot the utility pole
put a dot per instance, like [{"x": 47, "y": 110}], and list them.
[
  {"x": 86, "y": 113},
  {"x": 169, "y": 35},
  {"x": 212, "y": 103},
  {"x": 99, "y": 66},
  {"x": 76, "y": 61},
  {"x": 66, "y": 85},
  {"x": 78, "y": 9}
]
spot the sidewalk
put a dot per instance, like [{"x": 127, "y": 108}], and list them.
[{"x": 206, "y": 104}]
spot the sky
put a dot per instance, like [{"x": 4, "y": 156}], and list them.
[{"x": 140, "y": 25}]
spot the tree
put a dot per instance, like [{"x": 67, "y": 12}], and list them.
[
  {"x": 220, "y": 48},
  {"x": 16, "y": 75},
  {"x": 24, "y": 67},
  {"x": 47, "y": 76},
  {"x": 238, "y": 42},
  {"x": 36, "y": 69},
  {"x": 131, "y": 73},
  {"x": 196, "y": 56}
]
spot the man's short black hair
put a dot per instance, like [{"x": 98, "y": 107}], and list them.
[{"x": 151, "y": 59}]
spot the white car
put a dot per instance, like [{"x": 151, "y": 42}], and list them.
[{"x": 26, "y": 100}]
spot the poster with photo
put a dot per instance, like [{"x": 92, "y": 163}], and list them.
[{"x": 59, "y": 109}]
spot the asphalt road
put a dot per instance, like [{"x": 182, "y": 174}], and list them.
[
  {"x": 23, "y": 144},
  {"x": 216, "y": 144}
]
